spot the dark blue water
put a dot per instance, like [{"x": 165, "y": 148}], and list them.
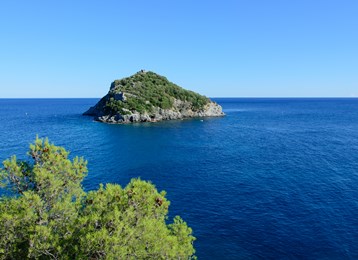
[{"x": 275, "y": 178}]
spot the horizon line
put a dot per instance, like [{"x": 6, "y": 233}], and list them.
[{"x": 250, "y": 97}]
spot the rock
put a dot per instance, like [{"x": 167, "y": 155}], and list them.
[
  {"x": 120, "y": 96},
  {"x": 152, "y": 94}
]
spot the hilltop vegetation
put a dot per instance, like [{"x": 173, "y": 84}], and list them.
[
  {"x": 50, "y": 216},
  {"x": 145, "y": 90}
]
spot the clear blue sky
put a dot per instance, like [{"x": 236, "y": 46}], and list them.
[{"x": 242, "y": 48}]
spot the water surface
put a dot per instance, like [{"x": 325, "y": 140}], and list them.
[{"x": 275, "y": 178}]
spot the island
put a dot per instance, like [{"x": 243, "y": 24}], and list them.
[{"x": 149, "y": 97}]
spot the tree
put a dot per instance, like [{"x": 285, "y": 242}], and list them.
[{"x": 49, "y": 215}]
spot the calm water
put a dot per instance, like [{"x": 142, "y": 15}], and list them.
[{"x": 275, "y": 178}]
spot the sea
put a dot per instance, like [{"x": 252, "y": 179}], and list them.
[{"x": 276, "y": 178}]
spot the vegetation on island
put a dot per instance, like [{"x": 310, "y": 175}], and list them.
[
  {"x": 50, "y": 216},
  {"x": 145, "y": 91}
]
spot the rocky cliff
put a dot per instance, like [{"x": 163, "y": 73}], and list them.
[{"x": 149, "y": 97}]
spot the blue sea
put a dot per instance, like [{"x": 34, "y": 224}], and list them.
[{"x": 273, "y": 179}]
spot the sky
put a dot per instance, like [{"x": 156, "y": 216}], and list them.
[{"x": 241, "y": 48}]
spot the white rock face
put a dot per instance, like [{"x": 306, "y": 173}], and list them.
[{"x": 181, "y": 109}]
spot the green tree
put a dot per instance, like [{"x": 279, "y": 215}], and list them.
[{"x": 49, "y": 216}]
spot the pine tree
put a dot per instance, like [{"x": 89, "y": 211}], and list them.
[{"x": 50, "y": 216}]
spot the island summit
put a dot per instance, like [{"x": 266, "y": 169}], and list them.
[{"x": 149, "y": 97}]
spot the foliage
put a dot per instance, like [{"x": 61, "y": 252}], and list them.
[
  {"x": 51, "y": 217},
  {"x": 146, "y": 90}
]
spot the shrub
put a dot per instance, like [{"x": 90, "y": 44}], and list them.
[
  {"x": 153, "y": 88},
  {"x": 49, "y": 215}
]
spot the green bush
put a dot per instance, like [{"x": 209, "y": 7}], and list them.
[
  {"x": 49, "y": 215},
  {"x": 148, "y": 90}
]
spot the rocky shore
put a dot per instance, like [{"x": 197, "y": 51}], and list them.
[{"x": 181, "y": 110}]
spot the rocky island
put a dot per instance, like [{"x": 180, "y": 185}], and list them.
[{"x": 149, "y": 97}]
